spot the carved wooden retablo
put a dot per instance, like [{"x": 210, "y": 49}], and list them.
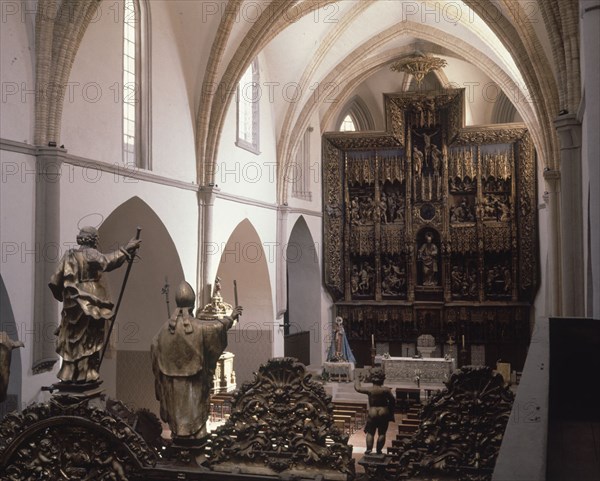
[
  {"x": 430, "y": 228},
  {"x": 282, "y": 423}
]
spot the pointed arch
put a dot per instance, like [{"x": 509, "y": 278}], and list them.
[
  {"x": 243, "y": 259},
  {"x": 143, "y": 310},
  {"x": 304, "y": 287},
  {"x": 359, "y": 112}
]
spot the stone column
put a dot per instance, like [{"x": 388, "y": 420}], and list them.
[
  {"x": 590, "y": 39},
  {"x": 207, "y": 249},
  {"x": 571, "y": 216},
  {"x": 48, "y": 252},
  {"x": 553, "y": 293},
  {"x": 281, "y": 278}
]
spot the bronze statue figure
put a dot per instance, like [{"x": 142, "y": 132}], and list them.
[
  {"x": 6, "y": 347},
  {"x": 87, "y": 307},
  {"x": 381, "y": 408},
  {"x": 184, "y": 357}
]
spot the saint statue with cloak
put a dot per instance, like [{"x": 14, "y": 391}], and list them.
[
  {"x": 87, "y": 307},
  {"x": 184, "y": 357},
  {"x": 340, "y": 351}
]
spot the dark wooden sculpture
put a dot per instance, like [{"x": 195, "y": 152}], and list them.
[
  {"x": 281, "y": 424},
  {"x": 69, "y": 439},
  {"x": 461, "y": 428},
  {"x": 429, "y": 228}
]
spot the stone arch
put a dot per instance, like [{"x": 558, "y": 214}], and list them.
[
  {"x": 128, "y": 374},
  {"x": 357, "y": 108},
  {"x": 356, "y": 67},
  {"x": 304, "y": 286},
  {"x": 9, "y": 325},
  {"x": 244, "y": 260},
  {"x": 504, "y": 111}
]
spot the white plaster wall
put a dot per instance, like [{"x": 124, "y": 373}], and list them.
[
  {"x": 227, "y": 215},
  {"x": 88, "y": 196},
  {"x": 173, "y": 150},
  {"x": 321, "y": 328},
  {"x": 315, "y": 171},
  {"x": 244, "y": 173},
  {"x": 92, "y": 117},
  {"x": 92, "y": 111},
  {"x": 244, "y": 260},
  {"x": 18, "y": 259},
  {"x": 17, "y": 100}
]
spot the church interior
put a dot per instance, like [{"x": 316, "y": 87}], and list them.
[{"x": 394, "y": 183}]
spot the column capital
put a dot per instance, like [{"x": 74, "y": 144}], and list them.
[
  {"x": 568, "y": 128},
  {"x": 207, "y": 194}
]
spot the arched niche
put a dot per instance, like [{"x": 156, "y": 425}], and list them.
[
  {"x": 8, "y": 324},
  {"x": 425, "y": 254},
  {"x": 127, "y": 370},
  {"x": 303, "y": 284},
  {"x": 244, "y": 260}
]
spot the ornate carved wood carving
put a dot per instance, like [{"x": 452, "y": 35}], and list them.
[
  {"x": 60, "y": 440},
  {"x": 429, "y": 212},
  {"x": 281, "y": 422},
  {"x": 461, "y": 428}
]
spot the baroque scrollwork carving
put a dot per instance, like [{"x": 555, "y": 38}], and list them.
[
  {"x": 461, "y": 427},
  {"x": 70, "y": 441},
  {"x": 282, "y": 421}
]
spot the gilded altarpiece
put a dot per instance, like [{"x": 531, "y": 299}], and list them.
[{"x": 430, "y": 228}]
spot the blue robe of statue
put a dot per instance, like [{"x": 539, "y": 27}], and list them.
[{"x": 346, "y": 351}]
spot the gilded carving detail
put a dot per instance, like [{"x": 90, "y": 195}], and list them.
[{"x": 471, "y": 188}]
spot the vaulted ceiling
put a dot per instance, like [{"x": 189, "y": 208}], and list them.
[{"x": 317, "y": 49}]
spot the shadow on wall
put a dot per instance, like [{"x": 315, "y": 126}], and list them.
[
  {"x": 127, "y": 373},
  {"x": 304, "y": 288},
  {"x": 8, "y": 324},
  {"x": 251, "y": 339}
]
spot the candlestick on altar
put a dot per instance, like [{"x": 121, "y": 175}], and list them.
[
  {"x": 372, "y": 340},
  {"x": 463, "y": 341}
]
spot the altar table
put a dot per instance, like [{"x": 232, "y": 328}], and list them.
[{"x": 429, "y": 369}]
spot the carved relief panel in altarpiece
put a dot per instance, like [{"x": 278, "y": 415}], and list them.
[{"x": 430, "y": 228}]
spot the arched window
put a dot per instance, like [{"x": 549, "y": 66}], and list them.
[
  {"x": 348, "y": 124},
  {"x": 136, "y": 85},
  {"x": 355, "y": 116},
  {"x": 248, "y": 98}
]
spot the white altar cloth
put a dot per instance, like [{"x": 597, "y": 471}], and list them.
[{"x": 429, "y": 369}]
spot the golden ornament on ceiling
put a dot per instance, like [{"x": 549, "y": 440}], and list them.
[{"x": 418, "y": 65}]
